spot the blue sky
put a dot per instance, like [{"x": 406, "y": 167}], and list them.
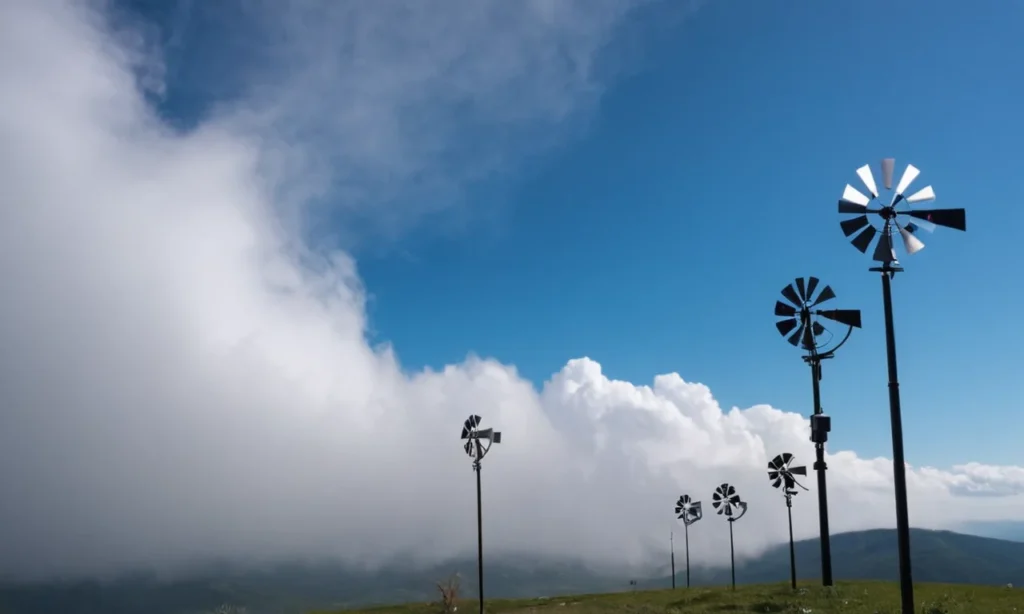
[
  {"x": 708, "y": 181},
  {"x": 658, "y": 238}
]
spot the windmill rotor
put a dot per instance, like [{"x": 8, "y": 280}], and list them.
[
  {"x": 782, "y": 474},
  {"x": 478, "y": 441},
  {"x": 800, "y": 324},
  {"x": 728, "y": 503},
  {"x": 895, "y": 218},
  {"x": 688, "y": 510}
]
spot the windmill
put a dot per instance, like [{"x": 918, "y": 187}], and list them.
[
  {"x": 801, "y": 326},
  {"x": 478, "y": 444},
  {"x": 689, "y": 511},
  {"x": 894, "y": 218},
  {"x": 726, "y": 501},
  {"x": 783, "y": 474}
]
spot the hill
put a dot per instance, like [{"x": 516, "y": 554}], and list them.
[
  {"x": 846, "y": 597},
  {"x": 939, "y": 556}
]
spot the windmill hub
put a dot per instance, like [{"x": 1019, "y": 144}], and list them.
[
  {"x": 805, "y": 315},
  {"x": 888, "y": 213}
]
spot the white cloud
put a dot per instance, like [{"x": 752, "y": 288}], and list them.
[
  {"x": 181, "y": 379},
  {"x": 405, "y": 102}
]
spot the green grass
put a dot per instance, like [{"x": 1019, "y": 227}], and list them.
[{"x": 846, "y": 597}]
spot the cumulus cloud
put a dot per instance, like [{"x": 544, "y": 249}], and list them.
[{"x": 182, "y": 378}]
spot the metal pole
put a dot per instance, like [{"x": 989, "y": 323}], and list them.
[
  {"x": 732, "y": 557},
  {"x": 819, "y": 466},
  {"x": 686, "y": 529},
  {"x": 672, "y": 546},
  {"x": 792, "y": 551},
  {"x": 899, "y": 472},
  {"x": 479, "y": 537}
]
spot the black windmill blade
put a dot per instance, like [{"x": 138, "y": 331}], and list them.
[
  {"x": 775, "y": 471},
  {"x": 889, "y": 223},
  {"x": 469, "y": 426},
  {"x": 468, "y": 429},
  {"x": 719, "y": 500},
  {"x": 681, "y": 505}
]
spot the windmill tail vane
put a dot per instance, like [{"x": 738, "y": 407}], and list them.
[
  {"x": 693, "y": 514},
  {"x": 790, "y": 477}
]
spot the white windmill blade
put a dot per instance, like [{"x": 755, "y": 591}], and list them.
[
  {"x": 854, "y": 195},
  {"x": 865, "y": 175},
  {"x": 888, "y": 164},
  {"x": 911, "y": 243},
  {"x": 922, "y": 195},
  {"x": 909, "y": 176}
]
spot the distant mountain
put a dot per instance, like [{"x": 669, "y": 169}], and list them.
[
  {"x": 1012, "y": 530},
  {"x": 295, "y": 588},
  {"x": 938, "y": 556}
]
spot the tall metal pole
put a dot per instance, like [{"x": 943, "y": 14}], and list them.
[
  {"x": 732, "y": 556},
  {"x": 479, "y": 536},
  {"x": 899, "y": 470},
  {"x": 672, "y": 546},
  {"x": 792, "y": 551},
  {"x": 820, "y": 467},
  {"x": 686, "y": 530}
]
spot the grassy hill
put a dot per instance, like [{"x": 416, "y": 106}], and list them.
[
  {"x": 845, "y": 597},
  {"x": 939, "y": 556}
]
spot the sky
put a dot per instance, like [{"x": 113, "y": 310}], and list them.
[{"x": 262, "y": 259}]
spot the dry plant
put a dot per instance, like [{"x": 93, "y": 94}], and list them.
[{"x": 449, "y": 594}]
